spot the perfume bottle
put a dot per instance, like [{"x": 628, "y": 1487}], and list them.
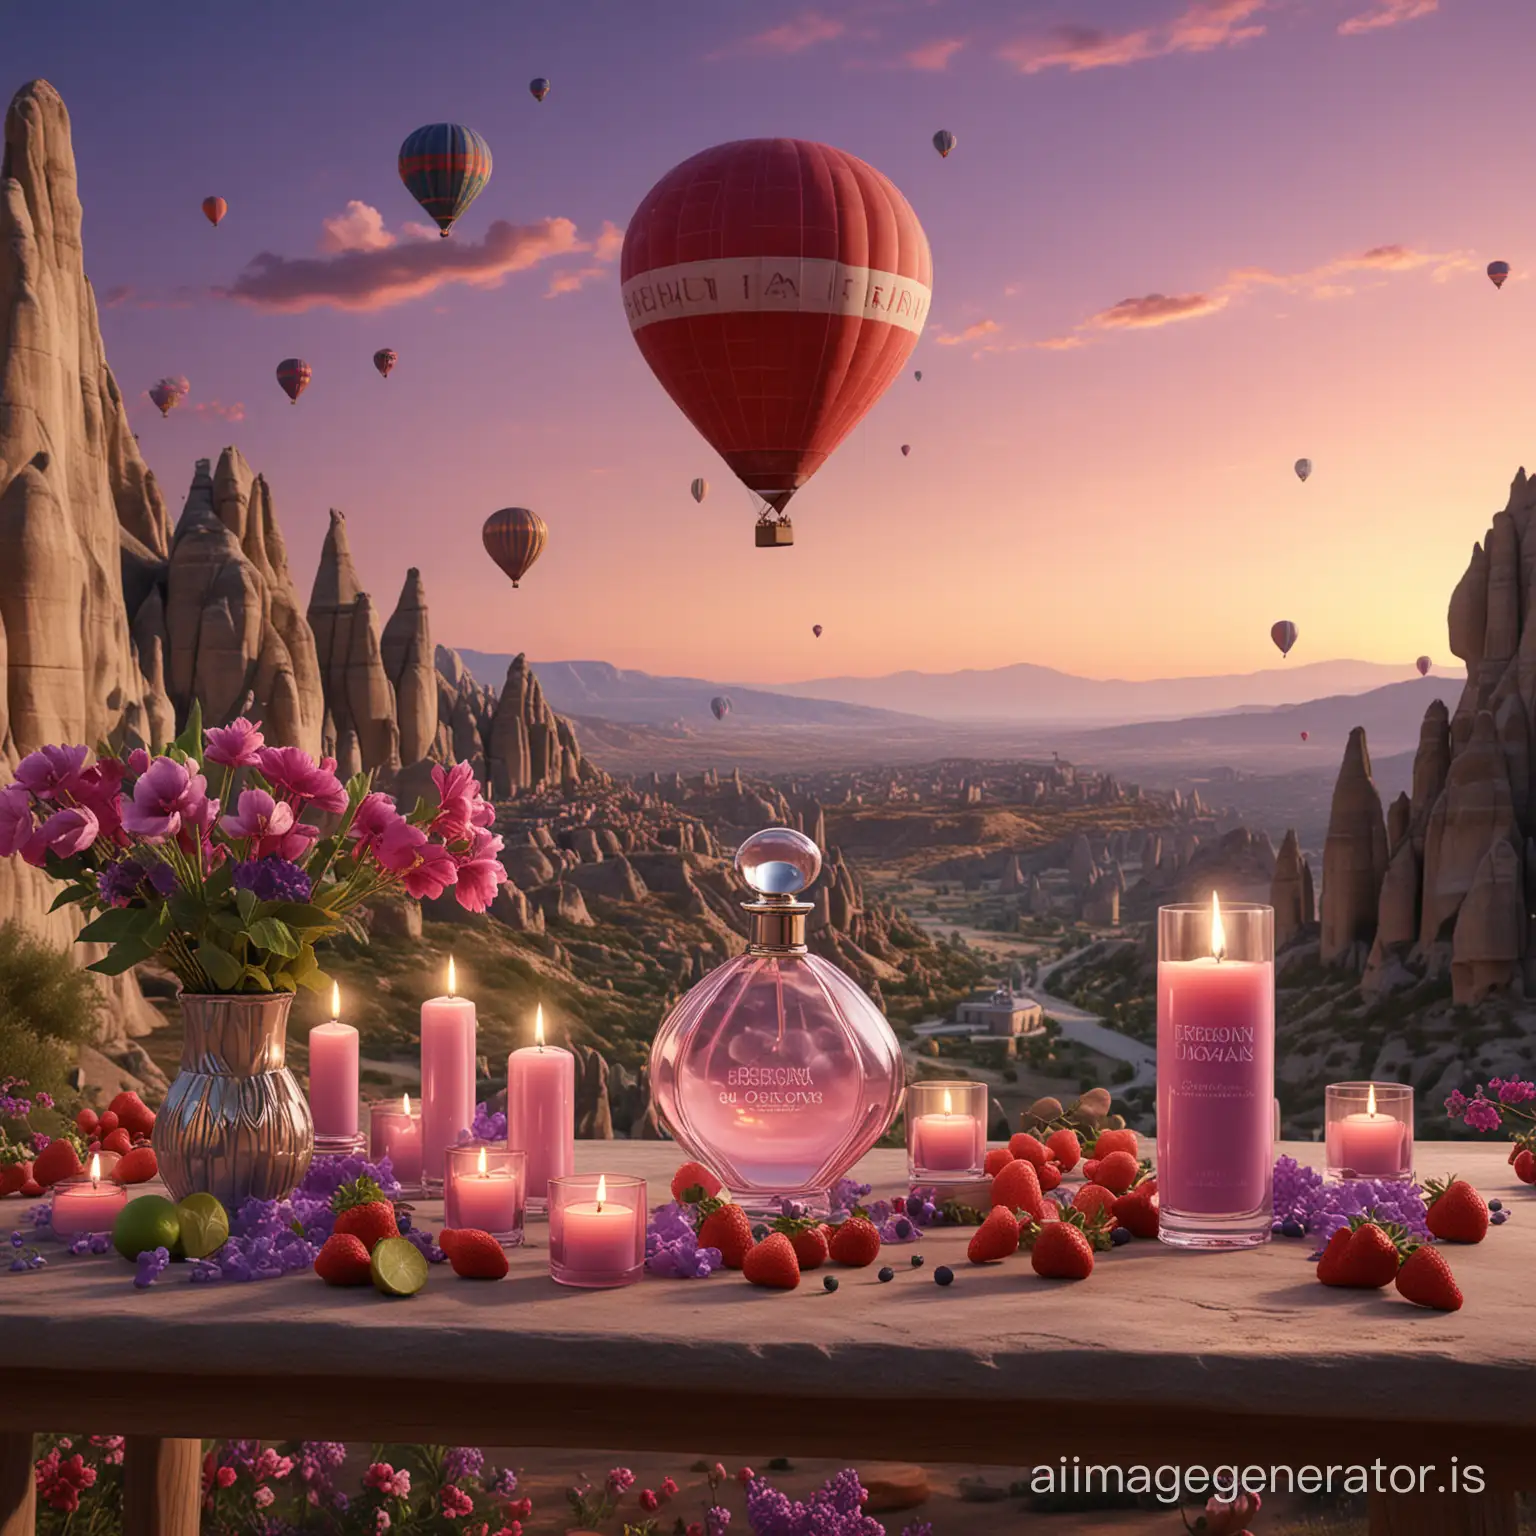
[{"x": 776, "y": 1071}]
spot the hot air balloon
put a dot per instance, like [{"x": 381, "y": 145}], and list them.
[
  {"x": 514, "y": 538},
  {"x": 1283, "y": 633},
  {"x": 538, "y": 88},
  {"x": 944, "y": 141},
  {"x": 776, "y": 288},
  {"x": 1303, "y": 469},
  {"x": 816, "y": 630},
  {"x": 167, "y": 393},
  {"x": 906, "y": 448},
  {"x": 293, "y": 373},
  {"x": 700, "y": 488},
  {"x": 918, "y": 375},
  {"x": 1304, "y": 735},
  {"x": 385, "y": 359},
  {"x": 1497, "y": 272},
  {"x": 214, "y": 209},
  {"x": 720, "y": 706},
  {"x": 1423, "y": 664},
  {"x": 445, "y": 166}
]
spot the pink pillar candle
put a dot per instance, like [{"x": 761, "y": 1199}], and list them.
[
  {"x": 447, "y": 1077},
  {"x": 541, "y": 1111},
  {"x": 947, "y": 1142},
  {"x": 333, "y": 1077},
  {"x": 394, "y": 1131},
  {"x": 89, "y": 1203}
]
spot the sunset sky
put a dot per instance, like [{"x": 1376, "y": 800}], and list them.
[{"x": 1180, "y": 244}]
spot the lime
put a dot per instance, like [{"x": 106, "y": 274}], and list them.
[
  {"x": 204, "y": 1225},
  {"x": 398, "y": 1266},
  {"x": 145, "y": 1224}
]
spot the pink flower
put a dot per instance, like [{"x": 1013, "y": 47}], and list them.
[
  {"x": 51, "y": 773},
  {"x": 271, "y": 826},
  {"x": 383, "y": 1477},
  {"x": 294, "y": 774},
  {"x": 64, "y": 834},
  {"x": 138, "y": 761},
  {"x": 650, "y": 1500},
  {"x": 225, "y": 1477},
  {"x": 381, "y": 1520},
  {"x": 480, "y": 872},
  {"x": 668, "y": 1487},
  {"x": 262, "y": 1497},
  {"x": 376, "y": 814},
  {"x": 99, "y": 790},
  {"x": 270, "y": 1464},
  {"x": 520, "y": 1509},
  {"x": 236, "y": 745},
  {"x": 456, "y": 1502},
  {"x": 166, "y": 794},
  {"x": 457, "y": 795},
  {"x": 15, "y": 819},
  {"x": 620, "y": 1480},
  {"x": 1224, "y": 1519},
  {"x": 426, "y": 869}
]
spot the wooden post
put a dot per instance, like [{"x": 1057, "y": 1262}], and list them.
[
  {"x": 162, "y": 1486},
  {"x": 1444, "y": 1514},
  {"x": 18, "y": 1487}
]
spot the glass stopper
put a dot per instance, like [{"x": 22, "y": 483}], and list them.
[{"x": 778, "y": 861}]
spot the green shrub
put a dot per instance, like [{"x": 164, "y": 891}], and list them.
[{"x": 47, "y": 1007}]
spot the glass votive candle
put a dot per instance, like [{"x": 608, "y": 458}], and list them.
[
  {"x": 946, "y": 1132},
  {"x": 394, "y": 1131},
  {"x": 485, "y": 1188},
  {"x": 1368, "y": 1131},
  {"x": 88, "y": 1202},
  {"x": 596, "y": 1229}
]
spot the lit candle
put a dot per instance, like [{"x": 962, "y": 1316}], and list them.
[
  {"x": 598, "y": 1236},
  {"x": 396, "y": 1134},
  {"x": 487, "y": 1199},
  {"x": 333, "y": 1072},
  {"x": 949, "y": 1141},
  {"x": 541, "y": 1111},
  {"x": 447, "y": 1076},
  {"x": 88, "y": 1204},
  {"x": 1369, "y": 1145}
]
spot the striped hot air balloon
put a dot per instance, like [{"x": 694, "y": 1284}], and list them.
[
  {"x": 1423, "y": 664},
  {"x": 538, "y": 88},
  {"x": 1283, "y": 633},
  {"x": 385, "y": 359},
  {"x": 167, "y": 394},
  {"x": 944, "y": 141},
  {"x": 293, "y": 373},
  {"x": 699, "y": 488},
  {"x": 445, "y": 166},
  {"x": 1497, "y": 272},
  {"x": 1303, "y": 469},
  {"x": 720, "y": 706},
  {"x": 214, "y": 209},
  {"x": 514, "y": 538}
]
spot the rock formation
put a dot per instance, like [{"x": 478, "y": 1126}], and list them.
[
  {"x": 530, "y": 746},
  {"x": 410, "y": 666},
  {"x": 1354, "y": 859},
  {"x": 1290, "y": 891}
]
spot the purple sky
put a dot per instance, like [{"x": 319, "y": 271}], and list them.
[{"x": 1303, "y": 192}]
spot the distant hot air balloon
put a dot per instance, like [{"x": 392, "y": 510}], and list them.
[
  {"x": 906, "y": 448},
  {"x": 293, "y": 373},
  {"x": 1283, "y": 633},
  {"x": 816, "y": 630},
  {"x": 720, "y": 706},
  {"x": 746, "y": 239},
  {"x": 1423, "y": 664},
  {"x": 167, "y": 393},
  {"x": 445, "y": 166},
  {"x": 514, "y": 538},
  {"x": 538, "y": 88},
  {"x": 700, "y": 488},
  {"x": 1304, "y": 735},
  {"x": 1303, "y": 469},
  {"x": 918, "y": 375},
  {"x": 385, "y": 359},
  {"x": 214, "y": 209},
  {"x": 944, "y": 141},
  {"x": 1497, "y": 272}
]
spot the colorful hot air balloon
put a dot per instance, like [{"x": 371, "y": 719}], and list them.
[
  {"x": 944, "y": 141},
  {"x": 385, "y": 359},
  {"x": 167, "y": 393},
  {"x": 538, "y": 88},
  {"x": 514, "y": 538},
  {"x": 1423, "y": 664},
  {"x": 776, "y": 288},
  {"x": 1303, "y": 469},
  {"x": 918, "y": 375},
  {"x": 1304, "y": 735},
  {"x": 720, "y": 706},
  {"x": 906, "y": 448},
  {"x": 1497, "y": 272},
  {"x": 700, "y": 488},
  {"x": 214, "y": 209},
  {"x": 1283, "y": 633},
  {"x": 445, "y": 166},
  {"x": 816, "y": 630},
  {"x": 293, "y": 373}
]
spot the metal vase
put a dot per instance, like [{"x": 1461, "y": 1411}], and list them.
[{"x": 235, "y": 1122}]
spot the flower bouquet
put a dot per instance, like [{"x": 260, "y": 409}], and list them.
[{"x": 1508, "y": 1104}]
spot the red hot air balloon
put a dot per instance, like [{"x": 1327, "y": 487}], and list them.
[
  {"x": 293, "y": 373},
  {"x": 906, "y": 448},
  {"x": 816, "y": 630},
  {"x": 776, "y": 287},
  {"x": 1283, "y": 633},
  {"x": 214, "y": 209},
  {"x": 385, "y": 359},
  {"x": 514, "y": 538},
  {"x": 1304, "y": 735},
  {"x": 1423, "y": 664}
]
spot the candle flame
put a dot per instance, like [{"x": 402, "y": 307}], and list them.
[
  {"x": 452, "y": 989},
  {"x": 481, "y": 1168},
  {"x": 1370, "y": 1100},
  {"x": 335, "y": 1000},
  {"x": 949, "y": 1107},
  {"x": 1218, "y": 933},
  {"x": 405, "y": 1105},
  {"x": 538, "y": 1027},
  {"x": 95, "y": 1169},
  {"x": 602, "y": 1190}
]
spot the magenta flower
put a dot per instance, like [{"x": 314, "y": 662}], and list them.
[
  {"x": 64, "y": 834},
  {"x": 1512, "y": 1090},
  {"x": 480, "y": 872},
  {"x": 383, "y": 1477},
  {"x": 99, "y": 790},
  {"x": 271, "y": 825},
  {"x": 138, "y": 761},
  {"x": 620, "y": 1480},
  {"x": 456, "y": 1502},
  {"x": 457, "y": 794},
  {"x": 51, "y": 773},
  {"x": 15, "y": 819},
  {"x": 294, "y": 774},
  {"x": 167, "y": 794},
  {"x": 236, "y": 745},
  {"x": 1482, "y": 1114},
  {"x": 425, "y": 868},
  {"x": 376, "y": 814}
]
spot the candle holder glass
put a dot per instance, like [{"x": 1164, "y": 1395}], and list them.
[
  {"x": 596, "y": 1229},
  {"x": 485, "y": 1187},
  {"x": 946, "y": 1132},
  {"x": 1368, "y": 1131},
  {"x": 340, "y": 1146},
  {"x": 394, "y": 1131},
  {"x": 84, "y": 1204}
]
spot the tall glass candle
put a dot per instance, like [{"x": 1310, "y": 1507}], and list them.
[
  {"x": 394, "y": 1131},
  {"x": 447, "y": 1077},
  {"x": 1215, "y": 1074},
  {"x": 541, "y": 1111},
  {"x": 333, "y": 1078}
]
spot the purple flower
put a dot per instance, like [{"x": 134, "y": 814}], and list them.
[
  {"x": 15, "y": 819},
  {"x": 504, "y": 1484},
  {"x": 236, "y": 745},
  {"x": 119, "y": 883},
  {"x": 138, "y": 761},
  {"x": 1483, "y": 1114},
  {"x": 463, "y": 1461},
  {"x": 150, "y": 1267},
  {"x": 375, "y": 815},
  {"x": 163, "y": 878},
  {"x": 270, "y": 826},
  {"x": 166, "y": 795},
  {"x": 1513, "y": 1091},
  {"x": 294, "y": 774},
  {"x": 64, "y": 834},
  {"x": 52, "y": 773},
  {"x": 487, "y": 1126},
  {"x": 272, "y": 879},
  {"x": 1456, "y": 1105}
]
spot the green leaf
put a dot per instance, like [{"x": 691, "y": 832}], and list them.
[
  {"x": 315, "y": 981},
  {"x": 304, "y": 964},
  {"x": 69, "y": 894},
  {"x": 358, "y": 786},
  {"x": 221, "y": 882},
  {"x": 299, "y": 914},
  {"x": 274, "y": 937},
  {"x": 284, "y": 981},
  {"x": 115, "y": 924},
  {"x": 191, "y": 739},
  {"x": 260, "y": 977},
  {"x": 222, "y": 969},
  {"x": 229, "y": 922},
  {"x": 121, "y": 957},
  {"x": 158, "y": 929},
  {"x": 247, "y": 903}
]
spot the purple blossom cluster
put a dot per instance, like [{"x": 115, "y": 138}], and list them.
[
  {"x": 487, "y": 1126},
  {"x": 836, "y": 1509},
  {"x": 1305, "y": 1201},
  {"x": 1488, "y": 1109},
  {"x": 149, "y": 1267},
  {"x": 672, "y": 1246},
  {"x": 272, "y": 878}
]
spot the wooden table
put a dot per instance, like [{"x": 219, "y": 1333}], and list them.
[{"x": 1160, "y": 1358}]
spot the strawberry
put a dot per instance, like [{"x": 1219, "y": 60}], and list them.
[
  {"x": 362, "y": 1209},
  {"x": 1117, "y": 1172},
  {"x": 725, "y": 1226},
  {"x": 996, "y": 1238},
  {"x": 1050, "y": 1175},
  {"x": 1365, "y": 1255},
  {"x": 138, "y": 1167},
  {"x": 1426, "y": 1280},
  {"x": 86, "y": 1122},
  {"x": 692, "y": 1176},
  {"x": 31, "y": 1190},
  {"x": 1029, "y": 1147},
  {"x": 1061, "y": 1251},
  {"x": 1137, "y": 1212},
  {"x": 117, "y": 1141},
  {"x": 807, "y": 1237},
  {"x": 997, "y": 1159},
  {"x": 1456, "y": 1212},
  {"x": 1090, "y": 1168},
  {"x": 1116, "y": 1141},
  {"x": 1525, "y": 1165},
  {"x": 1065, "y": 1148},
  {"x": 60, "y": 1159},
  {"x": 772, "y": 1263},
  {"x": 856, "y": 1242},
  {"x": 1049, "y": 1211},
  {"x": 106, "y": 1123},
  {"x": 133, "y": 1113},
  {"x": 343, "y": 1261},
  {"x": 1018, "y": 1187},
  {"x": 1094, "y": 1200},
  {"x": 13, "y": 1176},
  {"x": 473, "y": 1254}
]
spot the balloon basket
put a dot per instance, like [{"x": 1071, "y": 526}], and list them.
[{"x": 774, "y": 535}]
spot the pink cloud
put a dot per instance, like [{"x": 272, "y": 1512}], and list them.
[
  {"x": 1154, "y": 309},
  {"x": 1387, "y": 13},
  {"x": 119, "y": 293},
  {"x": 793, "y": 36},
  {"x": 358, "y": 227},
  {"x": 1203, "y": 26},
  {"x": 609, "y": 243},
  {"x": 936, "y": 55},
  {"x": 572, "y": 281},
  {"x": 970, "y": 333},
  {"x": 235, "y": 412}
]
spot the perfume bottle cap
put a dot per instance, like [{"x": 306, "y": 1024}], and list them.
[{"x": 778, "y": 861}]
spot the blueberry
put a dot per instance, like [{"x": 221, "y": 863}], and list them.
[
  {"x": 943, "y": 1275},
  {"x": 1120, "y": 1237},
  {"x": 1292, "y": 1228},
  {"x": 914, "y": 1205},
  {"x": 403, "y": 1222},
  {"x": 829, "y": 1282},
  {"x": 1495, "y": 1205},
  {"x": 885, "y": 1275},
  {"x": 917, "y": 1261},
  {"x": 759, "y": 1232},
  {"x": 903, "y": 1228},
  {"x": 1499, "y": 1218},
  {"x": 1277, "y": 1227}
]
